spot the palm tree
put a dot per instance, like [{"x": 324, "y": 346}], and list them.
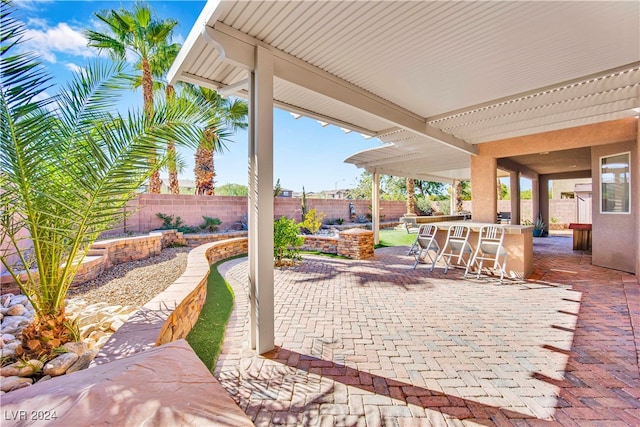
[
  {"x": 233, "y": 114},
  {"x": 139, "y": 33},
  {"x": 159, "y": 63},
  {"x": 411, "y": 196},
  {"x": 69, "y": 166}
]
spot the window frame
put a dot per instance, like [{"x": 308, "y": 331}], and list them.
[{"x": 628, "y": 191}]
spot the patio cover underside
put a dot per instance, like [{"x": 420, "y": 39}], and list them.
[{"x": 431, "y": 80}]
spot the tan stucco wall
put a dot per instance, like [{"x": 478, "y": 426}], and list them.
[
  {"x": 484, "y": 203},
  {"x": 583, "y": 136},
  {"x": 615, "y": 236}
]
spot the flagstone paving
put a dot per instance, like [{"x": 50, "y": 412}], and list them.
[{"x": 377, "y": 343}]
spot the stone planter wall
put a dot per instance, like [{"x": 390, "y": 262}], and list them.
[
  {"x": 356, "y": 243},
  {"x": 326, "y": 244}
]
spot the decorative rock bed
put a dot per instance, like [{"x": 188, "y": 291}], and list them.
[{"x": 96, "y": 323}]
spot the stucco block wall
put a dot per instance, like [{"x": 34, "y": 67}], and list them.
[{"x": 230, "y": 209}]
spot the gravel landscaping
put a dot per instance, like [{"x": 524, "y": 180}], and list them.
[{"x": 134, "y": 283}]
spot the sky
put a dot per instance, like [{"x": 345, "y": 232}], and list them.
[{"x": 305, "y": 153}]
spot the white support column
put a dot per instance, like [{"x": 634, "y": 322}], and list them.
[
  {"x": 262, "y": 249},
  {"x": 252, "y": 214},
  {"x": 375, "y": 207}
]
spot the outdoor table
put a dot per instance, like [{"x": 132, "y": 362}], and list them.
[
  {"x": 518, "y": 242},
  {"x": 581, "y": 236}
]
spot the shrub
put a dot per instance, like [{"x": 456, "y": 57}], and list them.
[
  {"x": 334, "y": 221},
  {"x": 286, "y": 241},
  {"x": 210, "y": 224},
  {"x": 424, "y": 206},
  {"x": 312, "y": 221},
  {"x": 169, "y": 223}
]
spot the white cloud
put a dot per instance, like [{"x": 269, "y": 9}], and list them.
[
  {"x": 73, "y": 67},
  {"x": 61, "y": 39},
  {"x": 31, "y": 4}
]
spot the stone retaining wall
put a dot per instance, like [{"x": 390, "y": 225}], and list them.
[
  {"x": 326, "y": 244},
  {"x": 172, "y": 313}
]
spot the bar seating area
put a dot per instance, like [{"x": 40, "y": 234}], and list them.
[{"x": 502, "y": 249}]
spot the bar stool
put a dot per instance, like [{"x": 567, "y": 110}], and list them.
[
  {"x": 457, "y": 245},
  {"x": 425, "y": 244},
  {"x": 490, "y": 248}
]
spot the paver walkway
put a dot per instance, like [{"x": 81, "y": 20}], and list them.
[{"x": 374, "y": 342}]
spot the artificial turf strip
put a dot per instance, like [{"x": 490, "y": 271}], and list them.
[
  {"x": 207, "y": 335},
  {"x": 395, "y": 238}
]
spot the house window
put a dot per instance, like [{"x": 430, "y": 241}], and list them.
[{"x": 615, "y": 195}]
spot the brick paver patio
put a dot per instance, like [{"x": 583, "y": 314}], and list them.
[{"x": 374, "y": 342}]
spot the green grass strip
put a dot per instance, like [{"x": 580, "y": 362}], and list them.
[
  {"x": 207, "y": 335},
  {"x": 395, "y": 238}
]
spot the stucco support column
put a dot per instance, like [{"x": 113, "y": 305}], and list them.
[
  {"x": 251, "y": 214},
  {"x": 484, "y": 198},
  {"x": 535, "y": 202},
  {"x": 543, "y": 199},
  {"x": 261, "y": 199},
  {"x": 514, "y": 184},
  {"x": 375, "y": 207}
]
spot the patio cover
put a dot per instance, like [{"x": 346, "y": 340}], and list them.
[{"x": 431, "y": 80}]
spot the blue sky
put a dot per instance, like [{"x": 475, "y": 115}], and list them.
[{"x": 305, "y": 154}]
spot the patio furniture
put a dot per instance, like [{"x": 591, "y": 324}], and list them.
[
  {"x": 490, "y": 248},
  {"x": 457, "y": 245},
  {"x": 504, "y": 217},
  {"x": 581, "y": 236},
  {"x": 425, "y": 244}
]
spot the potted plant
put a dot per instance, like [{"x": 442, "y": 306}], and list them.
[{"x": 539, "y": 227}]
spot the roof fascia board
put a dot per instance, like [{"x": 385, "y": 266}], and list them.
[
  {"x": 200, "y": 81},
  {"x": 421, "y": 176},
  {"x": 238, "y": 49},
  {"x": 210, "y": 13}
]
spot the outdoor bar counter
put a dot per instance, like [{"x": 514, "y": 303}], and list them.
[{"x": 518, "y": 241}]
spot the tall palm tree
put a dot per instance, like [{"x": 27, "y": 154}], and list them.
[
  {"x": 69, "y": 166},
  {"x": 231, "y": 113},
  {"x": 411, "y": 196},
  {"x": 159, "y": 63},
  {"x": 139, "y": 33}
]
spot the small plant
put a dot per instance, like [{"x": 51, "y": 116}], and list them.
[
  {"x": 334, "y": 221},
  {"x": 554, "y": 220},
  {"x": 169, "y": 223},
  {"x": 312, "y": 221},
  {"x": 303, "y": 204},
  {"x": 286, "y": 242},
  {"x": 526, "y": 222},
  {"x": 539, "y": 227},
  {"x": 362, "y": 219},
  {"x": 210, "y": 224}
]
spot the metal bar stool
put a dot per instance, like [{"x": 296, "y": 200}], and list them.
[{"x": 457, "y": 245}]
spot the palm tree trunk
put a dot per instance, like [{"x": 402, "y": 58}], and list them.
[
  {"x": 204, "y": 171},
  {"x": 411, "y": 196},
  {"x": 174, "y": 185},
  {"x": 147, "y": 93},
  {"x": 458, "y": 196}
]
